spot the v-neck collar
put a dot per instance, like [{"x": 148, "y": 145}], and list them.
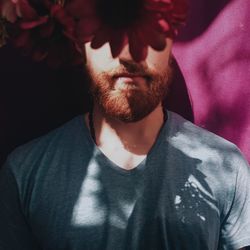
[{"x": 142, "y": 166}]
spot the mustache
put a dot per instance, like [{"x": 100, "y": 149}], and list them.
[{"x": 131, "y": 68}]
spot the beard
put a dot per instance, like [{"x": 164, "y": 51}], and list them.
[{"x": 132, "y": 103}]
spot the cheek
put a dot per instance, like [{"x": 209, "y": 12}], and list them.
[
  {"x": 158, "y": 60},
  {"x": 99, "y": 59}
]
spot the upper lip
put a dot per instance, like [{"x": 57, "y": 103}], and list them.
[{"x": 129, "y": 75}]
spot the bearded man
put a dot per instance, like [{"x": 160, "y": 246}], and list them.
[{"x": 129, "y": 174}]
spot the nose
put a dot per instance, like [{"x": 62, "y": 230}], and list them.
[
  {"x": 125, "y": 54},
  {"x": 127, "y": 60}
]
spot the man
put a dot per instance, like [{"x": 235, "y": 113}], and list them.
[{"x": 127, "y": 175}]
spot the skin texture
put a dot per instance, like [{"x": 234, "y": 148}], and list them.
[{"x": 127, "y": 141}]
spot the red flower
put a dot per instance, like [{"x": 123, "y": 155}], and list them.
[
  {"x": 141, "y": 23},
  {"x": 8, "y": 10},
  {"x": 48, "y": 36},
  {"x": 47, "y": 29},
  {"x": 12, "y": 9}
]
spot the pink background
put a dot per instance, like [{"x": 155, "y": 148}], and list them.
[{"x": 215, "y": 63}]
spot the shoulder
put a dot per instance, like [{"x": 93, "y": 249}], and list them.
[
  {"x": 187, "y": 131},
  {"x": 200, "y": 143},
  {"x": 45, "y": 146},
  {"x": 219, "y": 161},
  {"x": 217, "y": 158}
]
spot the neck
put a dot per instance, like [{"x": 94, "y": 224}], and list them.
[{"x": 136, "y": 137}]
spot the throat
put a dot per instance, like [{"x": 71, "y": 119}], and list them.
[
  {"x": 126, "y": 144},
  {"x": 124, "y": 154},
  {"x": 123, "y": 158}
]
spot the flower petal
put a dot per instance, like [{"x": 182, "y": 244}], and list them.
[
  {"x": 117, "y": 42},
  {"x": 158, "y": 5},
  {"x": 179, "y": 13},
  {"x": 87, "y": 27},
  {"x": 81, "y": 8},
  {"x": 25, "y": 10},
  {"x": 154, "y": 38},
  {"x": 101, "y": 37},
  {"x": 137, "y": 47},
  {"x": 32, "y": 24},
  {"x": 8, "y": 11}
]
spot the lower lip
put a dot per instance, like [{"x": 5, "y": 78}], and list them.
[
  {"x": 130, "y": 82},
  {"x": 126, "y": 79}
]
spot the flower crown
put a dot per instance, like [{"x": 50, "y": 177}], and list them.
[{"x": 55, "y": 30}]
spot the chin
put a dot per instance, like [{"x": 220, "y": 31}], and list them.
[{"x": 128, "y": 110}]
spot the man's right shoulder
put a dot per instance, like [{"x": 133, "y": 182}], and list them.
[{"x": 42, "y": 147}]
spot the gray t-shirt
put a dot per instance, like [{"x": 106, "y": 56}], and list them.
[{"x": 192, "y": 191}]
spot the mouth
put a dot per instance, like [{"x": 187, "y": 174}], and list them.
[
  {"x": 130, "y": 81},
  {"x": 129, "y": 75}
]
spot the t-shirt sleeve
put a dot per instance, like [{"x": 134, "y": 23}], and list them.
[
  {"x": 235, "y": 231},
  {"x": 14, "y": 230}
]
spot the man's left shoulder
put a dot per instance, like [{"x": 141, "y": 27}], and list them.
[{"x": 200, "y": 143}]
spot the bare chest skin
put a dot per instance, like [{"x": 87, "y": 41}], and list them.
[
  {"x": 122, "y": 157},
  {"x": 123, "y": 153}
]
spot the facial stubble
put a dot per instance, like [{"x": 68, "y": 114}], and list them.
[{"x": 131, "y": 104}]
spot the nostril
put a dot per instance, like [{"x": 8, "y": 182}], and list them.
[
  {"x": 130, "y": 65},
  {"x": 133, "y": 67}
]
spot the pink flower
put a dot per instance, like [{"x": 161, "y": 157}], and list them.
[{"x": 139, "y": 23}]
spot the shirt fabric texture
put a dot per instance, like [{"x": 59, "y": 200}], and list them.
[{"x": 60, "y": 192}]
